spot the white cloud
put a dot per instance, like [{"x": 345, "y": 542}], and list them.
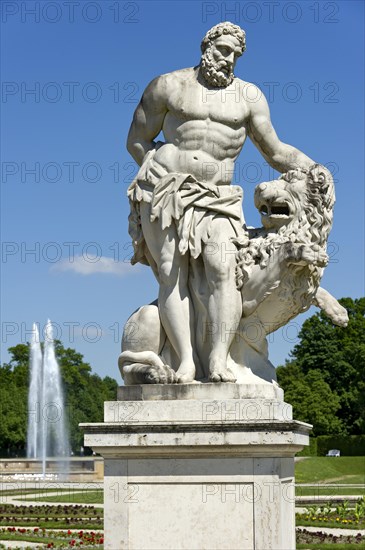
[{"x": 103, "y": 264}]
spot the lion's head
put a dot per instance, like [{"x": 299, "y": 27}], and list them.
[
  {"x": 297, "y": 208},
  {"x": 299, "y": 204}
]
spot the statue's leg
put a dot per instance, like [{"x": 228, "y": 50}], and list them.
[
  {"x": 200, "y": 296},
  {"x": 224, "y": 303},
  {"x": 173, "y": 300}
]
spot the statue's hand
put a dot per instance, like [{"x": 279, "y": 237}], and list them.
[{"x": 293, "y": 175}]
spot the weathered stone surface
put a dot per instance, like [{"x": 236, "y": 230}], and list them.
[
  {"x": 161, "y": 392},
  {"x": 223, "y": 287},
  {"x": 196, "y": 504},
  {"x": 198, "y": 473}
]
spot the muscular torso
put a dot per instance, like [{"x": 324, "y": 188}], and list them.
[{"x": 204, "y": 128}]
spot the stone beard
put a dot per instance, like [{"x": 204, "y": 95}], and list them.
[{"x": 212, "y": 70}]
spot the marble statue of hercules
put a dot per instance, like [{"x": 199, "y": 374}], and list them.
[{"x": 205, "y": 113}]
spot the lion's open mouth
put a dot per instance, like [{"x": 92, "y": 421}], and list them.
[{"x": 275, "y": 210}]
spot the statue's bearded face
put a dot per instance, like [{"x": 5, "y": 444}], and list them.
[{"x": 219, "y": 59}]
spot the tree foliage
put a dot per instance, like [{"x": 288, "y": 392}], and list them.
[
  {"x": 84, "y": 392},
  {"x": 325, "y": 379}
]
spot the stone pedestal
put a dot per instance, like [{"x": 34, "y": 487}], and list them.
[{"x": 198, "y": 467}]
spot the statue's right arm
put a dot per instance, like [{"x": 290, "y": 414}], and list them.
[
  {"x": 281, "y": 156},
  {"x": 148, "y": 119}
]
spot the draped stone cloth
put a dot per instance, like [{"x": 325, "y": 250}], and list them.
[{"x": 181, "y": 199}]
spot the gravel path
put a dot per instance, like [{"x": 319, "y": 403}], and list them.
[{"x": 17, "y": 544}]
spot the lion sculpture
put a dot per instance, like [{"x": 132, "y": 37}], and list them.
[{"x": 279, "y": 268}]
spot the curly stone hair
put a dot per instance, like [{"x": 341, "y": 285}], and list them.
[
  {"x": 224, "y": 28},
  {"x": 313, "y": 205}
]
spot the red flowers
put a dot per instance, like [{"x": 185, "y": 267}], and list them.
[{"x": 73, "y": 538}]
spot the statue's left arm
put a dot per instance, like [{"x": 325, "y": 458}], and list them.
[{"x": 279, "y": 155}]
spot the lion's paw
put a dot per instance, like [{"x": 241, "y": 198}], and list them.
[
  {"x": 152, "y": 374},
  {"x": 338, "y": 316}
]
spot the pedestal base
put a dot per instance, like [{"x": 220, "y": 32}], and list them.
[{"x": 198, "y": 467}]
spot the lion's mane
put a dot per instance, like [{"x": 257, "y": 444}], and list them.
[{"x": 313, "y": 207}]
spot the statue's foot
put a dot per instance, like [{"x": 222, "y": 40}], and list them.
[
  {"x": 220, "y": 373},
  {"x": 153, "y": 374},
  {"x": 223, "y": 376},
  {"x": 185, "y": 373}
]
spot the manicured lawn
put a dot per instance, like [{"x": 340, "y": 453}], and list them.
[
  {"x": 24, "y": 491},
  {"x": 86, "y": 497},
  {"x": 322, "y": 469},
  {"x": 328, "y": 490}
]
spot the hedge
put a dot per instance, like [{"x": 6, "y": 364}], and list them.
[
  {"x": 348, "y": 445},
  {"x": 311, "y": 449}
]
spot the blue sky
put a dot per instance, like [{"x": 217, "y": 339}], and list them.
[{"x": 65, "y": 168}]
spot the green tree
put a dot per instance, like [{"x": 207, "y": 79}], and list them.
[
  {"x": 329, "y": 363},
  {"x": 13, "y": 411},
  {"x": 312, "y": 399}
]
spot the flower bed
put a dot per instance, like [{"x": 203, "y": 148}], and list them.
[
  {"x": 67, "y": 516},
  {"x": 54, "y": 539},
  {"x": 305, "y": 537},
  {"x": 342, "y": 516}
]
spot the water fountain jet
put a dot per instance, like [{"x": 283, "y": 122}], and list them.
[
  {"x": 47, "y": 429},
  {"x": 34, "y": 395}
]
